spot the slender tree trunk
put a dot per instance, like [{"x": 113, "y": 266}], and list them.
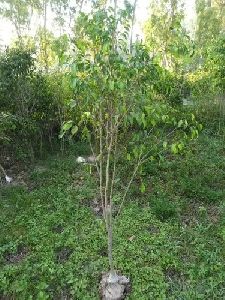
[
  {"x": 45, "y": 35},
  {"x": 115, "y": 8},
  {"x": 101, "y": 164},
  {"x": 18, "y": 31},
  {"x": 110, "y": 140},
  {"x": 17, "y": 27},
  {"x": 114, "y": 42},
  {"x": 132, "y": 24},
  {"x": 110, "y": 237},
  {"x": 81, "y": 5}
]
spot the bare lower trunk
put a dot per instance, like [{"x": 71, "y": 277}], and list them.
[
  {"x": 110, "y": 238},
  {"x": 101, "y": 164}
]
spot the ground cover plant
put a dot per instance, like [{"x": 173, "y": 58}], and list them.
[{"x": 52, "y": 235}]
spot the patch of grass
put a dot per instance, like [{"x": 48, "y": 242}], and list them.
[
  {"x": 163, "y": 208},
  {"x": 170, "y": 241}
]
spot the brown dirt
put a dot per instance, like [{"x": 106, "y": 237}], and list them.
[
  {"x": 63, "y": 254},
  {"x": 153, "y": 229},
  {"x": 13, "y": 258},
  {"x": 193, "y": 213},
  {"x": 58, "y": 228}
]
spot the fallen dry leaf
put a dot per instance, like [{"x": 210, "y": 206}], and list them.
[{"x": 131, "y": 238}]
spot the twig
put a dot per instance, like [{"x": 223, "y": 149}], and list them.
[
  {"x": 128, "y": 186},
  {"x": 3, "y": 170},
  {"x": 141, "y": 160}
]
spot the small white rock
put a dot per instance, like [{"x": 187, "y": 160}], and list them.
[
  {"x": 113, "y": 286},
  {"x": 113, "y": 278},
  {"x": 80, "y": 159},
  {"x": 8, "y": 179},
  {"x": 114, "y": 291},
  {"x": 124, "y": 280}
]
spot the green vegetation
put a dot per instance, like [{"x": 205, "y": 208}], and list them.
[
  {"x": 170, "y": 239},
  {"x": 112, "y": 154}
]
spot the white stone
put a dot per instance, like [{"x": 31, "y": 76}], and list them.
[
  {"x": 8, "y": 179},
  {"x": 80, "y": 159},
  {"x": 124, "y": 280},
  {"x": 113, "y": 286},
  {"x": 114, "y": 291},
  {"x": 113, "y": 278}
]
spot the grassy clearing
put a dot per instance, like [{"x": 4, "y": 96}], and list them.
[{"x": 170, "y": 241}]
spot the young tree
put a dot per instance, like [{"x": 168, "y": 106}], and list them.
[{"x": 110, "y": 88}]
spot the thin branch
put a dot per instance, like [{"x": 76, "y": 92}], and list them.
[
  {"x": 145, "y": 157},
  {"x": 141, "y": 160},
  {"x": 94, "y": 154},
  {"x": 3, "y": 170},
  {"x": 128, "y": 186}
]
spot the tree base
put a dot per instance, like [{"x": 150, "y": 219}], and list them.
[{"x": 114, "y": 287}]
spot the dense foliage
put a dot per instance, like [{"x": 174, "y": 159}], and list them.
[{"x": 32, "y": 103}]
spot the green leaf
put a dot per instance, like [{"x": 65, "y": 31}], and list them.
[
  {"x": 128, "y": 156},
  {"x": 143, "y": 120},
  {"x": 74, "y": 83},
  {"x": 142, "y": 188},
  {"x": 67, "y": 125},
  {"x": 121, "y": 85},
  {"x": 200, "y": 127},
  {"x": 111, "y": 85},
  {"x": 105, "y": 48},
  {"x": 61, "y": 134},
  {"x": 74, "y": 130},
  {"x": 153, "y": 122},
  {"x": 86, "y": 115},
  {"x": 136, "y": 152},
  {"x": 73, "y": 103},
  {"x": 164, "y": 118},
  {"x": 180, "y": 123},
  {"x": 180, "y": 146},
  {"x": 174, "y": 149}
]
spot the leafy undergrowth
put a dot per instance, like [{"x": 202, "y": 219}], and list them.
[{"x": 170, "y": 241}]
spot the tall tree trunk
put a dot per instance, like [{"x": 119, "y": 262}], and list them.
[
  {"x": 132, "y": 24},
  {"x": 45, "y": 6},
  {"x": 81, "y": 5},
  {"x": 115, "y": 7},
  {"x": 16, "y": 23}
]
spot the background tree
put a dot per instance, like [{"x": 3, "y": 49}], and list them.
[
  {"x": 165, "y": 34},
  {"x": 19, "y": 13}
]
